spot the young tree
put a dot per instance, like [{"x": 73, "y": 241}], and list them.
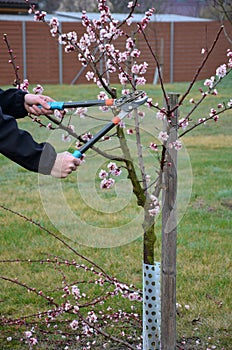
[{"x": 97, "y": 49}]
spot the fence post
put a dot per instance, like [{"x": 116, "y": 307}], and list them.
[{"x": 169, "y": 231}]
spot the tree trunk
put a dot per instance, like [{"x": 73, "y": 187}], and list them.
[{"x": 169, "y": 230}]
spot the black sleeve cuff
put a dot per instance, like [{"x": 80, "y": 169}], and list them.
[{"x": 47, "y": 159}]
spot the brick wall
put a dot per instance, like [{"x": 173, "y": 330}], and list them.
[{"x": 46, "y": 63}]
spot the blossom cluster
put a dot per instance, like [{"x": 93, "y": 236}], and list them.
[
  {"x": 103, "y": 32},
  {"x": 220, "y": 73},
  {"x": 73, "y": 317},
  {"x": 154, "y": 206},
  {"x": 105, "y": 175}
]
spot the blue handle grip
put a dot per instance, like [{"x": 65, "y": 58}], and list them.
[
  {"x": 56, "y": 105},
  {"x": 77, "y": 154}
]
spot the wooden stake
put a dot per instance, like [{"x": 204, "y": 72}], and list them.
[{"x": 169, "y": 232}]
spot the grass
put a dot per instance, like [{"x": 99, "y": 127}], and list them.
[{"x": 204, "y": 231}]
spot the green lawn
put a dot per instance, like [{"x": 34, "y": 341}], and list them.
[{"x": 107, "y": 227}]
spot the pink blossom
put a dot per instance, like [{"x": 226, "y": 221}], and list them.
[
  {"x": 33, "y": 341},
  {"x": 147, "y": 17},
  {"x": 39, "y": 16},
  {"x": 130, "y": 44},
  {"x": 104, "y": 108},
  {"x": 177, "y": 145},
  {"x": 125, "y": 91},
  {"x": 141, "y": 114},
  {"x": 229, "y": 53},
  {"x": 92, "y": 317},
  {"x": 87, "y": 136},
  {"x": 67, "y": 306},
  {"x": 123, "y": 78},
  {"x": 135, "y": 68},
  {"x": 229, "y": 104},
  {"x": 201, "y": 121},
  {"x": 130, "y": 131},
  {"x": 72, "y": 36},
  {"x": 89, "y": 76},
  {"x": 54, "y": 24},
  {"x": 87, "y": 331},
  {"x": 28, "y": 334},
  {"x": 153, "y": 146},
  {"x": 163, "y": 136},
  {"x": 116, "y": 172},
  {"x": 71, "y": 127},
  {"x": 110, "y": 66},
  {"x": 81, "y": 111},
  {"x": 154, "y": 199},
  {"x": 212, "y": 112},
  {"x": 134, "y": 296},
  {"x": 97, "y": 23},
  {"x": 103, "y": 174},
  {"x": 106, "y": 138},
  {"x": 142, "y": 68},
  {"x": 58, "y": 114},
  {"x": 69, "y": 48},
  {"x": 111, "y": 166},
  {"x": 221, "y": 71},
  {"x": 154, "y": 211},
  {"x": 75, "y": 291},
  {"x": 24, "y": 86},
  {"x": 99, "y": 84},
  {"x": 140, "y": 81},
  {"x": 135, "y": 53},
  {"x": 149, "y": 102},
  {"x": 66, "y": 290},
  {"x": 122, "y": 124},
  {"x": 76, "y": 309},
  {"x": 38, "y": 89},
  {"x": 107, "y": 183},
  {"x": 66, "y": 138},
  {"x": 62, "y": 39},
  {"x": 129, "y": 20},
  {"x": 101, "y": 282},
  {"x": 183, "y": 123},
  {"x": 209, "y": 82},
  {"x": 161, "y": 115},
  {"x": 114, "y": 169},
  {"x": 102, "y": 95},
  {"x": 74, "y": 324}
]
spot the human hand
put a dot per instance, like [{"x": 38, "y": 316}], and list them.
[
  {"x": 32, "y": 103},
  {"x": 65, "y": 163}
]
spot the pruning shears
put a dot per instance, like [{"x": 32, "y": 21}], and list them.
[{"x": 121, "y": 108}]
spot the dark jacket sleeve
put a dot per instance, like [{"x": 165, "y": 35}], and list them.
[
  {"x": 12, "y": 102},
  {"x": 18, "y": 145}
]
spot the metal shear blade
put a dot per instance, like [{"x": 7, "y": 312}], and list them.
[{"x": 128, "y": 106}]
